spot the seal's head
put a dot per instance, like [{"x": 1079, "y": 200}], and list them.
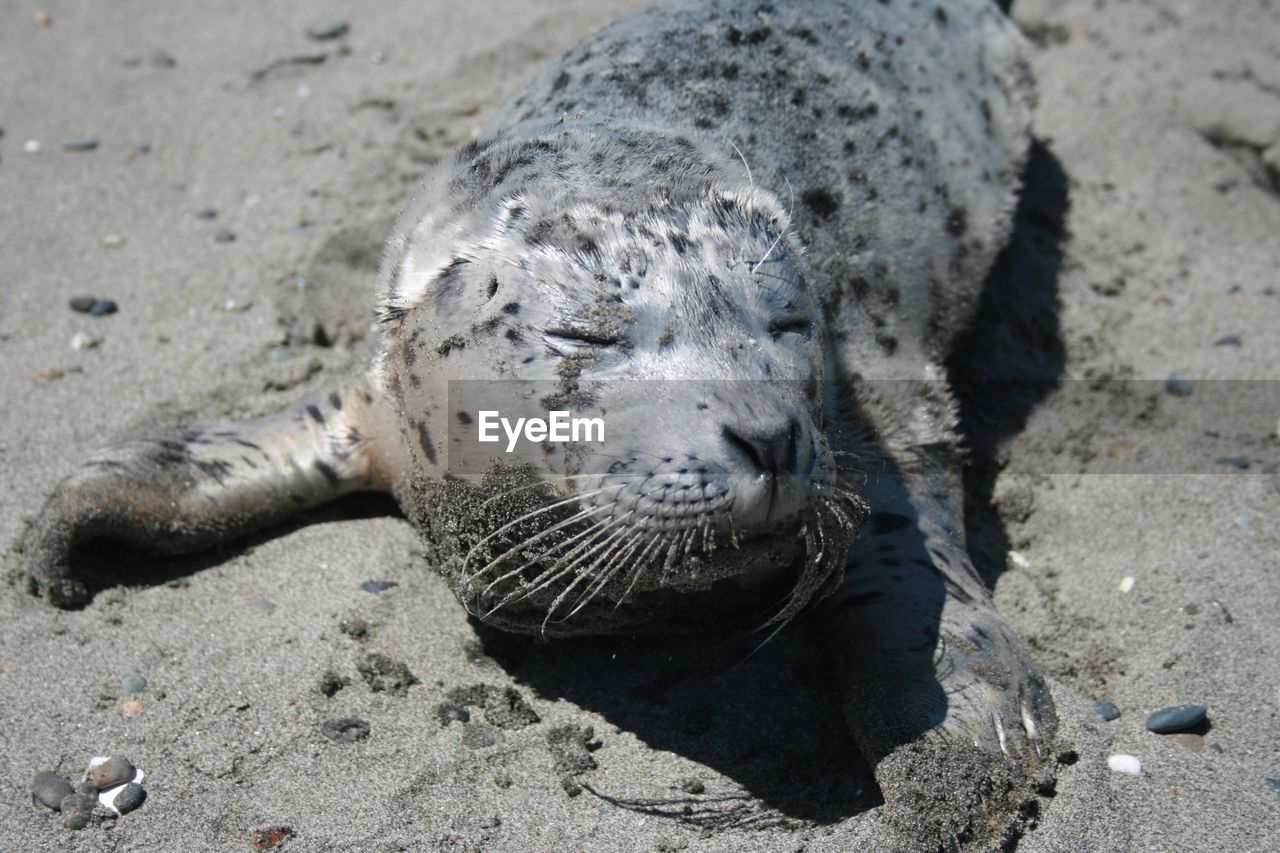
[{"x": 686, "y": 331}]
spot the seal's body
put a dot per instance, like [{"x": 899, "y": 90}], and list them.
[{"x": 746, "y": 237}]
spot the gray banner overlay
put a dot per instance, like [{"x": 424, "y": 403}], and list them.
[{"x": 1145, "y": 427}]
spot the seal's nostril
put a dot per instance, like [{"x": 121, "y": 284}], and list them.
[{"x": 774, "y": 452}]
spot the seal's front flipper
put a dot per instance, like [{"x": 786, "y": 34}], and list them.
[
  {"x": 186, "y": 489},
  {"x": 939, "y": 693}
]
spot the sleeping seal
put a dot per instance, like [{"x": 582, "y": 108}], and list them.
[{"x": 744, "y": 237}]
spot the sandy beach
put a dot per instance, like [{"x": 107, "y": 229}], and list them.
[{"x": 1119, "y": 394}]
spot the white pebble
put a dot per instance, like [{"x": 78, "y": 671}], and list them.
[
  {"x": 279, "y": 112},
  {"x": 83, "y": 340},
  {"x": 31, "y": 146},
  {"x": 1122, "y": 763},
  {"x": 304, "y": 91},
  {"x": 1018, "y": 560},
  {"x": 113, "y": 241},
  {"x": 1126, "y": 584}
]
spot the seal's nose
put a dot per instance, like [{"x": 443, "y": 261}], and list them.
[{"x": 772, "y": 451}]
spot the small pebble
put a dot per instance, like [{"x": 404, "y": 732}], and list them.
[
  {"x": 266, "y": 605},
  {"x": 1122, "y": 763},
  {"x": 1193, "y": 742},
  {"x": 1234, "y": 461},
  {"x": 354, "y": 627},
  {"x": 112, "y": 241},
  {"x": 31, "y": 146},
  {"x": 377, "y": 587},
  {"x": 207, "y": 213},
  {"x": 345, "y": 729},
  {"x": 133, "y": 683},
  {"x": 279, "y": 354},
  {"x": 1175, "y": 718},
  {"x": 1233, "y": 288},
  {"x": 49, "y": 789},
  {"x": 128, "y": 798},
  {"x": 1243, "y": 522},
  {"x": 331, "y": 32},
  {"x": 131, "y": 708},
  {"x": 103, "y": 307},
  {"x": 452, "y": 714},
  {"x": 76, "y": 810},
  {"x": 109, "y": 772},
  {"x": 237, "y": 307},
  {"x": 1126, "y": 584},
  {"x": 1274, "y": 783},
  {"x": 142, "y": 148},
  {"x": 160, "y": 59},
  {"x": 47, "y": 374},
  {"x": 42, "y": 19},
  {"x": 87, "y": 789},
  {"x": 82, "y": 304},
  {"x": 226, "y": 235},
  {"x": 79, "y": 144},
  {"x": 81, "y": 341},
  {"x": 1228, "y": 341},
  {"x": 1179, "y": 387},
  {"x": 1106, "y": 710},
  {"x": 1019, "y": 560}
]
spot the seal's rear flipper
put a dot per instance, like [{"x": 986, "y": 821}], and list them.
[{"x": 186, "y": 489}]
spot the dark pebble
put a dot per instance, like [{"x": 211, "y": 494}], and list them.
[
  {"x": 226, "y": 235},
  {"x": 1179, "y": 387},
  {"x": 76, "y": 810},
  {"x": 1228, "y": 341},
  {"x": 135, "y": 683},
  {"x": 50, "y": 789},
  {"x": 1233, "y": 288},
  {"x": 376, "y": 587},
  {"x": 142, "y": 148},
  {"x": 266, "y": 605},
  {"x": 207, "y": 213},
  {"x": 160, "y": 59},
  {"x": 345, "y": 729},
  {"x": 1106, "y": 710},
  {"x": 82, "y": 304},
  {"x": 79, "y": 144},
  {"x": 452, "y": 714},
  {"x": 130, "y": 797},
  {"x": 1175, "y": 719},
  {"x": 103, "y": 307},
  {"x": 114, "y": 771},
  {"x": 1234, "y": 461},
  {"x": 331, "y": 32},
  {"x": 87, "y": 789},
  {"x": 1274, "y": 783}
]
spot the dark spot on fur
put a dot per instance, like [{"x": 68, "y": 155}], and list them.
[
  {"x": 820, "y": 201},
  {"x": 493, "y": 285},
  {"x": 315, "y": 413},
  {"x": 512, "y": 308},
  {"x": 861, "y": 288},
  {"x": 941, "y": 14},
  {"x": 335, "y": 400},
  {"x": 415, "y": 380},
  {"x": 449, "y": 344},
  {"x": 888, "y": 343},
  {"x": 957, "y": 222},
  {"x": 560, "y": 82},
  {"x": 326, "y": 471}
]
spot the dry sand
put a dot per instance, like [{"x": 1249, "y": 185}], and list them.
[{"x": 1155, "y": 189}]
